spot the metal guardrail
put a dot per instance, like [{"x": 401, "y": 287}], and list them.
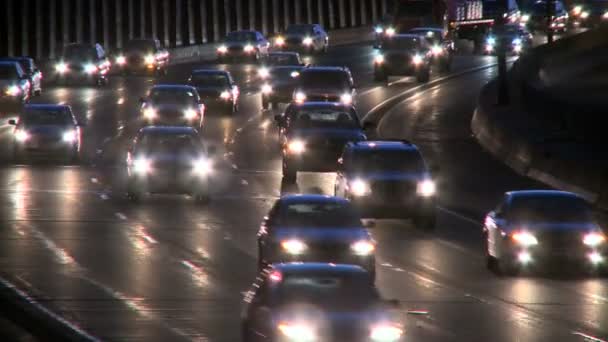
[{"x": 39, "y": 28}]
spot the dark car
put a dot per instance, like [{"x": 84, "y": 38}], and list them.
[
  {"x": 279, "y": 85},
  {"x": 534, "y": 16},
  {"x": 315, "y": 228},
  {"x": 83, "y": 62},
  {"x": 310, "y": 38},
  {"x": 387, "y": 179},
  {"x": 14, "y": 86},
  {"x": 173, "y": 104},
  {"x": 314, "y": 134},
  {"x": 403, "y": 55},
  {"x": 46, "y": 130},
  {"x": 143, "y": 56},
  {"x": 515, "y": 37},
  {"x": 325, "y": 83},
  {"x": 247, "y": 44},
  {"x": 280, "y": 58},
  {"x": 216, "y": 88},
  {"x": 31, "y": 70},
  {"x": 441, "y": 45},
  {"x": 318, "y": 302},
  {"x": 542, "y": 227},
  {"x": 169, "y": 160}
]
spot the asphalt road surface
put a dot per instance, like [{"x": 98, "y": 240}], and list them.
[{"x": 168, "y": 269}]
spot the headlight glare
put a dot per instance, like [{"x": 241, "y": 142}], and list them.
[
  {"x": 307, "y": 41},
  {"x": 149, "y": 59},
  {"x": 390, "y": 31},
  {"x": 190, "y": 114},
  {"x": 61, "y": 68},
  {"x": 378, "y": 29},
  {"x": 266, "y": 88},
  {"x": 594, "y": 239},
  {"x": 585, "y": 15},
  {"x": 293, "y": 246},
  {"x": 524, "y": 238},
  {"x": 491, "y": 41},
  {"x": 379, "y": 59},
  {"x": 525, "y": 18},
  {"x": 90, "y": 68},
  {"x": 21, "y": 135},
  {"x": 142, "y": 166},
  {"x": 13, "y": 90},
  {"x": 300, "y": 97},
  {"x": 417, "y": 59},
  {"x": 203, "y": 166},
  {"x": 426, "y": 188},
  {"x": 436, "y": 50},
  {"x": 150, "y": 113},
  {"x": 301, "y": 332},
  {"x": 222, "y": 49},
  {"x": 263, "y": 72},
  {"x": 225, "y": 95},
  {"x": 69, "y": 136},
  {"x": 279, "y": 41},
  {"x": 385, "y": 333},
  {"x": 346, "y": 98},
  {"x": 248, "y": 48},
  {"x": 359, "y": 187},
  {"x": 121, "y": 60},
  {"x": 363, "y": 248},
  {"x": 296, "y": 147}
]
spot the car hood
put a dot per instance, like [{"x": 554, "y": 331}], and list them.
[
  {"x": 551, "y": 226},
  {"x": 173, "y": 158},
  {"x": 169, "y": 107},
  {"x": 322, "y": 91},
  {"x": 390, "y": 176},
  {"x": 238, "y": 44},
  {"x": 210, "y": 90},
  {"x": 47, "y": 129},
  {"x": 350, "y": 134},
  {"x": 325, "y": 234}
]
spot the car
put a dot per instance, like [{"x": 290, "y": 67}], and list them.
[
  {"x": 279, "y": 85},
  {"x": 14, "y": 86},
  {"x": 403, "y": 55},
  {"x": 589, "y": 13},
  {"x": 83, "y": 62},
  {"x": 46, "y": 130},
  {"x": 536, "y": 228},
  {"x": 31, "y": 70},
  {"x": 173, "y": 104},
  {"x": 217, "y": 89},
  {"x": 246, "y": 44},
  {"x": 534, "y": 17},
  {"x": 313, "y": 134},
  {"x": 169, "y": 160},
  {"x": 325, "y": 83},
  {"x": 278, "y": 58},
  {"x": 387, "y": 179},
  {"x": 315, "y": 228},
  {"x": 318, "y": 302},
  {"x": 515, "y": 37},
  {"x": 143, "y": 56},
  {"x": 442, "y": 46},
  {"x": 310, "y": 38}
]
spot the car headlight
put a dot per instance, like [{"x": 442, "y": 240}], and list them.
[
  {"x": 436, "y": 50},
  {"x": 385, "y": 333},
  {"x": 346, "y": 98},
  {"x": 279, "y": 41},
  {"x": 605, "y": 15},
  {"x": 121, "y": 60},
  {"x": 61, "y": 68},
  {"x": 248, "y": 48},
  {"x": 149, "y": 59},
  {"x": 577, "y": 10},
  {"x": 359, "y": 187},
  {"x": 390, "y": 31},
  {"x": 300, "y": 332},
  {"x": 293, "y": 246},
  {"x": 21, "y": 135},
  {"x": 222, "y": 49},
  {"x": 69, "y": 136},
  {"x": 378, "y": 29},
  {"x": 190, "y": 114},
  {"x": 516, "y": 41},
  {"x": 266, "y": 88},
  {"x": 296, "y": 147},
  {"x": 225, "y": 95},
  {"x": 150, "y": 113},
  {"x": 426, "y": 188},
  {"x": 90, "y": 68},
  {"x": 417, "y": 59},
  {"x": 13, "y": 90},
  {"x": 491, "y": 41},
  {"x": 525, "y": 239},
  {"x": 263, "y": 73},
  {"x": 379, "y": 59},
  {"x": 300, "y": 97},
  {"x": 307, "y": 41},
  {"x": 585, "y": 15},
  {"x": 525, "y": 18},
  {"x": 203, "y": 166},
  {"x": 294, "y": 74},
  {"x": 363, "y": 248},
  {"x": 142, "y": 166},
  {"x": 594, "y": 239}
]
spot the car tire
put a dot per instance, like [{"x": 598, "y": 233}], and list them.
[
  {"x": 289, "y": 174},
  {"x": 423, "y": 76}
]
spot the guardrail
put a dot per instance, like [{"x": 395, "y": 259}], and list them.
[{"x": 39, "y": 28}]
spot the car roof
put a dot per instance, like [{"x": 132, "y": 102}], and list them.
[
  {"x": 542, "y": 193},
  {"x": 322, "y": 104},
  {"x": 384, "y": 145},
  {"x": 168, "y": 130},
  {"x": 318, "y": 68},
  {"x": 307, "y": 198},
  {"x": 6, "y": 63},
  {"x": 405, "y": 35},
  {"x": 318, "y": 268},
  {"x": 283, "y": 53},
  {"x": 46, "y": 106},
  {"x": 210, "y": 71},
  {"x": 173, "y": 86}
]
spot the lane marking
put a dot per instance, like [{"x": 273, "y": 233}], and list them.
[{"x": 588, "y": 337}]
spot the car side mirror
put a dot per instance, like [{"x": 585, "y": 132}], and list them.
[{"x": 12, "y": 122}]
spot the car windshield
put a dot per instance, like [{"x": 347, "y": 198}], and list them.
[
  {"x": 241, "y": 36},
  {"x": 41, "y": 117},
  {"x": 318, "y": 214},
  {"x": 285, "y": 73},
  {"x": 210, "y": 80},
  {"x": 168, "y": 144},
  {"x": 282, "y": 59},
  {"x": 172, "y": 96},
  {"x": 333, "y": 292},
  {"x": 8, "y": 72},
  {"x": 74, "y": 52},
  {"x": 299, "y": 29},
  {"x": 324, "y": 79},
  {"x": 141, "y": 46},
  {"x": 25, "y": 63},
  {"x": 386, "y": 161},
  {"x": 311, "y": 118},
  {"x": 431, "y": 36},
  {"x": 550, "y": 209},
  {"x": 402, "y": 43}
]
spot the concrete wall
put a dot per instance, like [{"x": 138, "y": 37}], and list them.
[{"x": 39, "y": 28}]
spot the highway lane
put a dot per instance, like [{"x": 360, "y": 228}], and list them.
[{"x": 168, "y": 269}]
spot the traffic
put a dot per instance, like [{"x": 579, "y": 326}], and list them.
[{"x": 316, "y": 253}]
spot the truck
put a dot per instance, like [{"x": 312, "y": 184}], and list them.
[{"x": 461, "y": 19}]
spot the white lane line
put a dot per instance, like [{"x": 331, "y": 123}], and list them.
[
  {"x": 121, "y": 216},
  {"x": 588, "y": 337},
  {"x": 460, "y": 216}
]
